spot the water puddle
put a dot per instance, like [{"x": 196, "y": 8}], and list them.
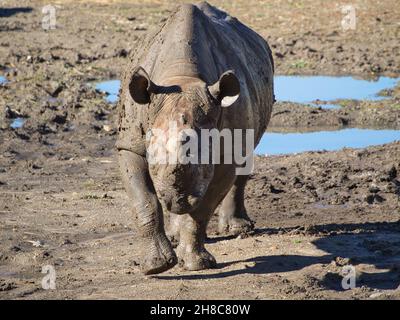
[
  {"x": 312, "y": 90},
  {"x": 2, "y": 80},
  {"x": 304, "y": 89},
  {"x": 17, "y": 123},
  {"x": 286, "y": 143},
  {"x": 110, "y": 88},
  {"x": 309, "y": 89}
]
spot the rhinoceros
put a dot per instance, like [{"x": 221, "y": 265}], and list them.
[{"x": 202, "y": 69}]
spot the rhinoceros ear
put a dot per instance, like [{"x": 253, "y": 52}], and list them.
[
  {"x": 140, "y": 86},
  {"x": 227, "y": 89}
]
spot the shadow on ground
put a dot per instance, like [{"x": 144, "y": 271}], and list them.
[
  {"x": 369, "y": 245},
  {"x": 8, "y": 12}
]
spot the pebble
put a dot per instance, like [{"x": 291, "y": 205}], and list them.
[{"x": 36, "y": 243}]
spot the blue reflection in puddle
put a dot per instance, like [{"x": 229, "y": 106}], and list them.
[
  {"x": 111, "y": 89},
  {"x": 306, "y": 89},
  {"x": 285, "y": 143},
  {"x": 17, "y": 123},
  {"x": 2, "y": 80}
]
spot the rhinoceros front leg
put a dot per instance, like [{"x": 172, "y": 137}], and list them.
[
  {"x": 191, "y": 251},
  {"x": 233, "y": 218},
  {"x": 159, "y": 253},
  {"x": 174, "y": 227}
]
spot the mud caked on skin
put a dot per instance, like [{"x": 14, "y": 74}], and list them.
[{"x": 214, "y": 75}]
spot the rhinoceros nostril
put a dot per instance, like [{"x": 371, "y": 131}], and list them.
[
  {"x": 183, "y": 118},
  {"x": 168, "y": 205}
]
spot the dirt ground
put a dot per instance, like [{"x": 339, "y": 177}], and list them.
[{"x": 62, "y": 201}]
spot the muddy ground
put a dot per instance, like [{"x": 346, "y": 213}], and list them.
[{"x": 62, "y": 202}]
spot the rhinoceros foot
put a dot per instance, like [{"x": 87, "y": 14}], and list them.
[
  {"x": 159, "y": 258},
  {"x": 235, "y": 226},
  {"x": 196, "y": 259}
]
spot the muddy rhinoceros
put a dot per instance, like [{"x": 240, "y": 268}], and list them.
[{"x": 203, "y": 70}]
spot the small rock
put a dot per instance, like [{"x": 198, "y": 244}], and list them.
[
  {"x": 107, "y": 128},
  {"x": 374, "y": 188},
  {"x": 340, "y": 261},
  {"x": 140, "y": 27},
  {"x": 123, "y": 53},
  {"x": 135, "y": 263},
  {"x": 54, "y": 88},
  {"x": 7, "y": 286},
  {"x": 250, "y": 265},
  {"x": 15, "y": 249},
  {"x": 12, "y": 114},
  {"x": 37, "y": 244},
  {"x": 66, "y": 242},
  {"x": 45, "y": 128},
  {"x": 376, "y": 295}
]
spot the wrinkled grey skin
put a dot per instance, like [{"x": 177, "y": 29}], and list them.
[{"x": 181, "y": 73}]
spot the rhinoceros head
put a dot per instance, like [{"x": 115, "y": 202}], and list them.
[{"x": 180, "y": 161}]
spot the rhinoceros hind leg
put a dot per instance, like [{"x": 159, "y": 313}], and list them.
[
  {"x": 191, "y": 252},
  {"x": 233, "y": 218},
  {"x": 159, "y": 255}
]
